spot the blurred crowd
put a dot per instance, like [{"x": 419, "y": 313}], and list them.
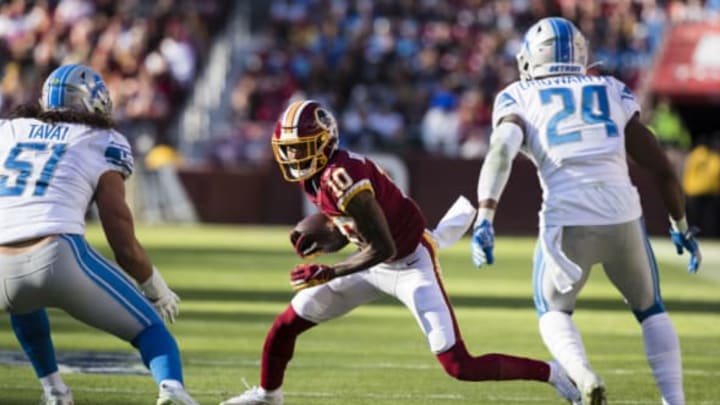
[
  {"x": 421, "y": 75},
  {"x": 147, "y": 51}
]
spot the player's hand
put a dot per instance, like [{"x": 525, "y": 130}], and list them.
[
  {"x": 165, "y": 301},
  {"x": 168, "y": 306},
  {"x": 309, "y": 274},
  {"x": 686, "y": 241},
  {"x": 303, "y": 246},
  {"x": 482, "y": 244}
]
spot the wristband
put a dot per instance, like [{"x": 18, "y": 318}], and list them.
[{"x": 485, "y": 213}]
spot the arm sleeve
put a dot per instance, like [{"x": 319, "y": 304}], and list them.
[
  {"x": 506, "y": 103},
  {"x": 629, "y": 103},
  {"x": 108, "y": 150},
  {"x": 505, "y": 143},
  {"x": 341, "y": 184},
  {"x": 118, "y": 155}
]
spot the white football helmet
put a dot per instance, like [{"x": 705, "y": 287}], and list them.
[
  {"x": 553, "y": 46},
  {"x": 76, "y": 87}
]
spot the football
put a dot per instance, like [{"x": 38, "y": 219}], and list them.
[{"x": 316, "y": 233}]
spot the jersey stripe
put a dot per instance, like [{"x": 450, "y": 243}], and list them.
[{"x": 352, "y": 192}]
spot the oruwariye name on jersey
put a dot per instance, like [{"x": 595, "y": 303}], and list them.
[
  {"x": 49, "y": 172},
  {"x": 575, "y": 134}
]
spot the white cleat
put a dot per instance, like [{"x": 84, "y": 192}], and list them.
[
  {"x": 563, "y": 384},
  {"x": 256, "y": 396},
  {"x": 174, "y": 396},
  {"x": 55, "y": 397},
  {"x": 593, "y": 390}
]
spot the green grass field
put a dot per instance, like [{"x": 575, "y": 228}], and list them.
[{"x": 234, "y": 280}]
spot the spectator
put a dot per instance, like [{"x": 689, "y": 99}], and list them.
[
  {"x": 669, "y": 129},
  {"x": 440, "y": 128},
  {"x": 148, "y": 51},
  {"x": 404, "y": 51},
  {"x": 701, "y": 184}
]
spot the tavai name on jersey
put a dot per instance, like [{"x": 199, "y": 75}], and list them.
[{"x": 49, "y": 132}]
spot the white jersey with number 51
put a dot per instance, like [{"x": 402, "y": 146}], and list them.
[
  {"x": 49, "y": 172},
  {"x": 575, "y": 134}
]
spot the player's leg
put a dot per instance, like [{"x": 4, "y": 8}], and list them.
[
  {"x": 25, "y": 278},
  {"x": 32, "y": 330},
  {"x": 308, "y": 308},
  {"x": 633, "y": 270},
  {"x": 420, "y": 288},
  {"x": 93, "y": 290},
  {"x": 557, "y": 328}
]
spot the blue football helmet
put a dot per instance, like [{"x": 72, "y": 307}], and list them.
[
  {"x": 553, "y": 46},
  {"x": 76, "y": 87}
]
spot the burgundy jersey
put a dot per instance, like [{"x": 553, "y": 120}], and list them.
[{"x": 345, "y": 175}]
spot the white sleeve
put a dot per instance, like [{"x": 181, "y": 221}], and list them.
[
  {"x": 107, "y": 151},
  {"x": 118, "y": 154},
  {"x": 505, "y": 143},
  {"x": 628, "y": 101},
  {"x": 506, "y": 103}
]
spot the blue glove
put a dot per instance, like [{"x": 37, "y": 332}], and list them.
[
  {"x": 482, "y": 244},
  {"x": 687, "y": 241}
]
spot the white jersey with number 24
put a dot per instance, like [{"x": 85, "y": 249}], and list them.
[{"x": 575, "y": 135}]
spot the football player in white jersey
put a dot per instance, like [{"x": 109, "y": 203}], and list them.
[
  {"x": 577, "y": 129},
  {"x": 57, "y": 158}
]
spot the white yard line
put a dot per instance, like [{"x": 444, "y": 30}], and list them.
[{"x": 337, "y": 395}]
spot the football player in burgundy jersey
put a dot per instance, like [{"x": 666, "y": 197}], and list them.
[{"x": 396, "y": 256}]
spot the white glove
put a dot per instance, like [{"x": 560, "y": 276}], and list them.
[{"x": 165, "y": 301}]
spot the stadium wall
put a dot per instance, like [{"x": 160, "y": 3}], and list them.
[{"x": 259, "y": 195}]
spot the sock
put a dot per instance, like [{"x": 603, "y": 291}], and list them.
[
  {"x": 53, "y": 383},
  {"x": 160, "y": 353},
  {"x": 33, "y": 332},
  {"x": 280, "y": 346},
  {"x": 563, "y": 340},
  {"x": 662, "y": 349},
  {"x": 459, "y": 364}
]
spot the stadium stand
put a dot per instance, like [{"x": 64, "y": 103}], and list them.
[
  {"x": 148, "y": 52},
  {"x": 398, "y": 69},
  {"x": 413, "y": 78}
]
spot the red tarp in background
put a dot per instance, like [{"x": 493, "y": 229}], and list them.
[{"x": 689, "y": 65}]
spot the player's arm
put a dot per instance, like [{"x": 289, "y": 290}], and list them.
[
  {"x": 117, "y": 222},
  {"x": 379, "y": 245},
  {"x": 505, "y": 143},
  {"x": 375, "y": 231},
  {"x": 644, "y": 149}
]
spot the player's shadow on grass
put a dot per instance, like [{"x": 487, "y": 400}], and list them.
[{"x": 603, "y": 304}]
